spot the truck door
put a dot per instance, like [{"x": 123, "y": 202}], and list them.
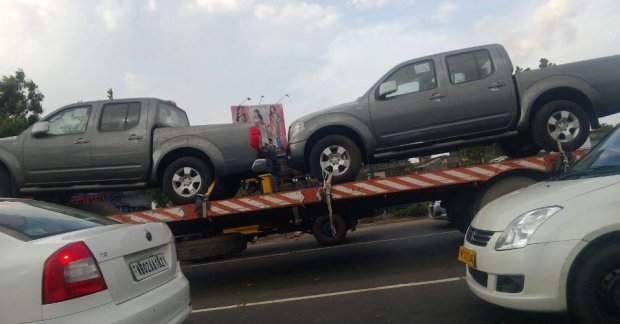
[
  {"x": 62, "y": 154},
  {"x": 418, "y": 111},
  {"x": 120, "y": 145},
  {"x": 481, "y": 91}
]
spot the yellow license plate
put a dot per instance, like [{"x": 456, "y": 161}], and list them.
[{"x": 467, "y": 256}]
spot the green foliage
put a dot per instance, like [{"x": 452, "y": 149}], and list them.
[
  {"x": 410, "y": 210},
  {"x": 157, "y": 195},
  {"x": 20, "y": 103},
  {"x": 480, "y": 154}
]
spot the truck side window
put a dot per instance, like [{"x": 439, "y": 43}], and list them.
[
  {"x": 119, "y": 116},
  {"x": 69, "y": 121},
  {"x": 168, "y": 116},
  {"x": 469, "y": 66},
  {"x": 419, "y": 76}
]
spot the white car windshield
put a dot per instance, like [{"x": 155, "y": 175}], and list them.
[
  {"x": 603, "y": 159},
  {"x": 29, "y": 220}
]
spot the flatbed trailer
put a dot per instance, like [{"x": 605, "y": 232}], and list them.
[{"x": 215, "y": 228}]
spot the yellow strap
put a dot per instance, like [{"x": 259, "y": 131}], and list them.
[{"x": 210, "y": 189}]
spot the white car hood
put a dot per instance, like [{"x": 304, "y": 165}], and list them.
[{"x": 499, "y": 213}]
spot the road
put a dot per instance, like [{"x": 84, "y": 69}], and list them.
[{"x": 400, "y": 272}]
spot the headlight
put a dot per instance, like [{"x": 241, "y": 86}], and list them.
[
  {"x": 296, "y": 128},
  {"x": 518, "y": 233}
]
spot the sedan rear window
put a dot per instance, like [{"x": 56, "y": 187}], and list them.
[{"x": 30, "y": 220}]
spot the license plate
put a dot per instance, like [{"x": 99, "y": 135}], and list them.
[
  {"x": 467, "y": 256},
  {"x": 147, "y": 267}
]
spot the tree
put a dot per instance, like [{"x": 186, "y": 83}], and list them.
[
  {"x": 543, "y": 63},
  {"x": 20, "y": 103}
]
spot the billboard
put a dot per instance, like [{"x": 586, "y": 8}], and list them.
[{"x": 269, "y": 117}]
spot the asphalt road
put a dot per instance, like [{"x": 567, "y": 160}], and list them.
[{"x": 403, "y": 272}]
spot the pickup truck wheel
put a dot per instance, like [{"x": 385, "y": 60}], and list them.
[
  {"x": 560, "y": 120},
  {"x": 323, "y": 233},
  {"x": 463, "y": 207},
  {"x": 185, "y": 178},
  {"x": 336, "y": 154},
  {"x": 595, "y": 293},
  {"x": 226, "y": 188},
  {"x": 6, "y": 187}
]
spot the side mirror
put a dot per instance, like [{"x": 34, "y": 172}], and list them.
[
  {"x": 387, "y": 88},
  {"x": 262, "y": 166},
  {"x": 40, "y": 128}
]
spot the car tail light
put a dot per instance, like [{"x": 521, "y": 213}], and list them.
[
  {"x": 71, "y": 272},
  {"x": 255, "y": 138}
]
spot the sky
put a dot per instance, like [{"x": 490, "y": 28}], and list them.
[{"x": 207, "y": 55}]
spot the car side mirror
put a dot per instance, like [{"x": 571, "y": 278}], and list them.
[
  {"x": 40, "y": 128},
  {"x": 387, "y": 88}
]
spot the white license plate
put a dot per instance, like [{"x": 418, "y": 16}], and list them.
[{"x": 147, "y": 267}]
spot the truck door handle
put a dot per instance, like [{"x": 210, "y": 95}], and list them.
[
  {"x": 134, "y": 137},
  {"x": 496, "y": 85},
  {"x": 436, "y": 96},
  {"x": 81, "y": 141}
]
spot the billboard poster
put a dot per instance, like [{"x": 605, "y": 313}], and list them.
[{"x": 269, "y": 117}]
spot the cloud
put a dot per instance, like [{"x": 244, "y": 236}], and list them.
[
  {"x": 445, "y": 10},
  {"x": 370, "y": 3},
  {"x": 113, "y": 13},
  {"x": 298, "y": 15},
  {"x": 213, "y": 6},
  {"x": 136, "y": 83},
  {"x": 152, "y": 5}
]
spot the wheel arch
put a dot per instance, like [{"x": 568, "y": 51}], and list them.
[
  {"x": 343, "y": 130},
  {"x": 597, "y": 243},
  {"x": 557, "y": 88},
  {"x": 530, "y": 173},
  {"x": 569, "y": 94},
  {"x": 175, "y": 154}
]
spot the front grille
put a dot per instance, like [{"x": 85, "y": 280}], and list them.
[
  {"x": 478, "y": 237},
  {"x": 480, "y": 277}
]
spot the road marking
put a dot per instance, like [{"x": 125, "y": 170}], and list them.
[
  {"x": 338, "y": 293},
  {"x": 319, "y": 249}
]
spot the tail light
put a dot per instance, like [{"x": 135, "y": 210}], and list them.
[
  {"x": 71, "y": 272},
  {"x": 255, "y": 138}
]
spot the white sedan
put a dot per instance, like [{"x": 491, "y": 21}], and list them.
[
  {"x": 61, "y": 265},
  {"x": 555, "y": 245}
]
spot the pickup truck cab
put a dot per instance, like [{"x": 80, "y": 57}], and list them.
[
  {"x": 126, "y": 144},
  {"x": 460, "y": 98}
]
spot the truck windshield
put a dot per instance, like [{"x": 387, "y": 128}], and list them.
[
  {"x": 168, "y": 116},
  {"x": 602, "y": 160}
]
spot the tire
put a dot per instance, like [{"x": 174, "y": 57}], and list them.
[
  {"x": 519, "y": 147},
  {"x": 225, "y": 188},
  {"x": 185, "y": 178},
  {"x": 462, "y": 209},
  {"x": 322, "y": 231},
  {"x": 563, "y": 120},
  {"x": 338, "y": 154},
  {"x": 503, "y": 187},
  {"x": 595, "y": 285},
  {"x": 6, "y": 184}
]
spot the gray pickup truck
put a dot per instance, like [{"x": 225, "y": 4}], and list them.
[
  {"x": 127, "y": 144},
  {"x": 455, "y": 99}
]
